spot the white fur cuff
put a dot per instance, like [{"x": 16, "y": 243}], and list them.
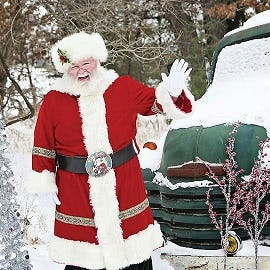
[
  {"x": 137, "y": 248},
  {"x": 41, "y": 182},
  {"x": 169, "y": 108}
]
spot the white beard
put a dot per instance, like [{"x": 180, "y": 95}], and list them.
[{"x": 99, "y": 81}]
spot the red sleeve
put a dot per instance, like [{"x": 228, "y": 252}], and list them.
[
  {"x": 43, "y": 154},
  {"x": 148, "y": 101},
  {"x": 183, "y": 103},
  {"x": 142, "y": 96},
  {"x": 42, "y": 176}
]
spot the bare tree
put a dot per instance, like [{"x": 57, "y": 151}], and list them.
[
  {"x": 143, "y": 36},
  {"x": 137, "y": 32},
  {"x": 234, "y": 13},
  {"x": 24, "y": 33}
]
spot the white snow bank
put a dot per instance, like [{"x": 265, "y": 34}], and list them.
[
  {"x": 197, "y": 161},
  {"x": 20, "y": 136},
  {"x": 151, "y": 158},
  {"x": 40, "y": 78},
  {"x": 240, "y": 89},
  {"x": 230, "y": 102},
  {"x": 164, "y": 181},
  {"x": 247, "y": 250},
  {"x": 41, "y": 261},
  {"x": 239, "y": 92}
]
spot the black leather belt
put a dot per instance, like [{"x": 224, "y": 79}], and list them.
[{"x": 76, "y": 164}]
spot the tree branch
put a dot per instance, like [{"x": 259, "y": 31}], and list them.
[{"x": 18, "y": 88}]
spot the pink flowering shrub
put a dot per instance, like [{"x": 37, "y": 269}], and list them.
[
  {"x": 232, "y": 190},
  {"x": 243, "y": 198},
  {"x": 254, "y": 199}
]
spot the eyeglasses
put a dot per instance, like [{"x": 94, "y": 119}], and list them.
[{"x": 83, "y": 66}]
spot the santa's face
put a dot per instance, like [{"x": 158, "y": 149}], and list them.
[{"x": 82, "y": 70}]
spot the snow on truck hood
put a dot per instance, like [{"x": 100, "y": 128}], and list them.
[{"x": 240, "y": 90}]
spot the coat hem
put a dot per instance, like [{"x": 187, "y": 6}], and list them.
[{"x": 138, "y": 248}]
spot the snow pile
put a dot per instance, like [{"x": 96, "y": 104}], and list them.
[
  {"x": 258, "y": 19},
  {"x": 240, "y": 90},
  {"x": 230, "y": 102},
  {"x": 41, "y": 261},
  {"x": 21, "y": 136},
  {"x": 247, "y": 250},
  {"x": 243, "y": 61},
  {"x": 197, "y": 161},
  {"x": 151, "y": 158},
  {"x": 40, "y": 77},
  {"x": 164, "y": 181}
]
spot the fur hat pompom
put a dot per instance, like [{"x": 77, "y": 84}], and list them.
[{"x": 77, "y": 47}]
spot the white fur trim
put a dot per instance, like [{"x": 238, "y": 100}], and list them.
[
  {"x": 138, "y": 248},
  {"x": 115, "y": 252},
  {"x": 41, "y": 182},
  {"x": 164, "y": 98},
  {"x": 102, "y": 189},
  {"x": 98, "y": 83},
  {"x": 76, "y": 253},
  {"x": 79, "y": 46},
  {"x": 109, "y": 231}
]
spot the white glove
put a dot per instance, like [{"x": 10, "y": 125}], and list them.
[
  {"x": 48, "y": 199},
  {"x": 176, "y": 81}
]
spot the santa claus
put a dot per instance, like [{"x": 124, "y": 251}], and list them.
[{"x": 84, "y": 156}]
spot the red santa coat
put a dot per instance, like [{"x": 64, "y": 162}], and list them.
[{"x": 102, "y": 222}]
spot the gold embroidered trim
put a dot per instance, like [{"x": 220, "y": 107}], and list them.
[
  {"x": 155, "y": 108},
  {"x": 135, "y": 210},
  {"x": 43, "y": 152},
  {"x": 74, "y": 220},
  {"x": 131, "y": 212}
]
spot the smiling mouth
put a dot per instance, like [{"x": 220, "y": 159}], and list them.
[{"x": 83, "y": 77}]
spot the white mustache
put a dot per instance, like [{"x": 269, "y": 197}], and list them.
[{"x": 83, "y": 75}]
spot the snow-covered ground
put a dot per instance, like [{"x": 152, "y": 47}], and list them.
[
  {"x": 41, "y": 261},
  {"x": 240, "y": 91},
  {"x": 39, "y": 211},
  {"x": 261, "y": 18}
]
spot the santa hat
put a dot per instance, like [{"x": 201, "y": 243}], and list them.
[{"x": 77, "y": 47}]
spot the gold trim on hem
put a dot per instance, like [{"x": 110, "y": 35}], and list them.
[
  {"x": 43, "y": 152},
  {"x": 128, "y": 213},
  {"x": 74, "y": 220}
]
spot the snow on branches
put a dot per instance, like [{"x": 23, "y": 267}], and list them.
[
  {"x": 229, "y": 186},
  {"x": 232, "y": 191},
  {"x": 254, "y": 199},
  {"x": 245, "y": 197}
]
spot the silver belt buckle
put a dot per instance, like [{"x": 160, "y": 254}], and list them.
[{"x": 98, "y": 164}]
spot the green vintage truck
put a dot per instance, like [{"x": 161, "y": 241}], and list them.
[{"x": 238, "y": 90}]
